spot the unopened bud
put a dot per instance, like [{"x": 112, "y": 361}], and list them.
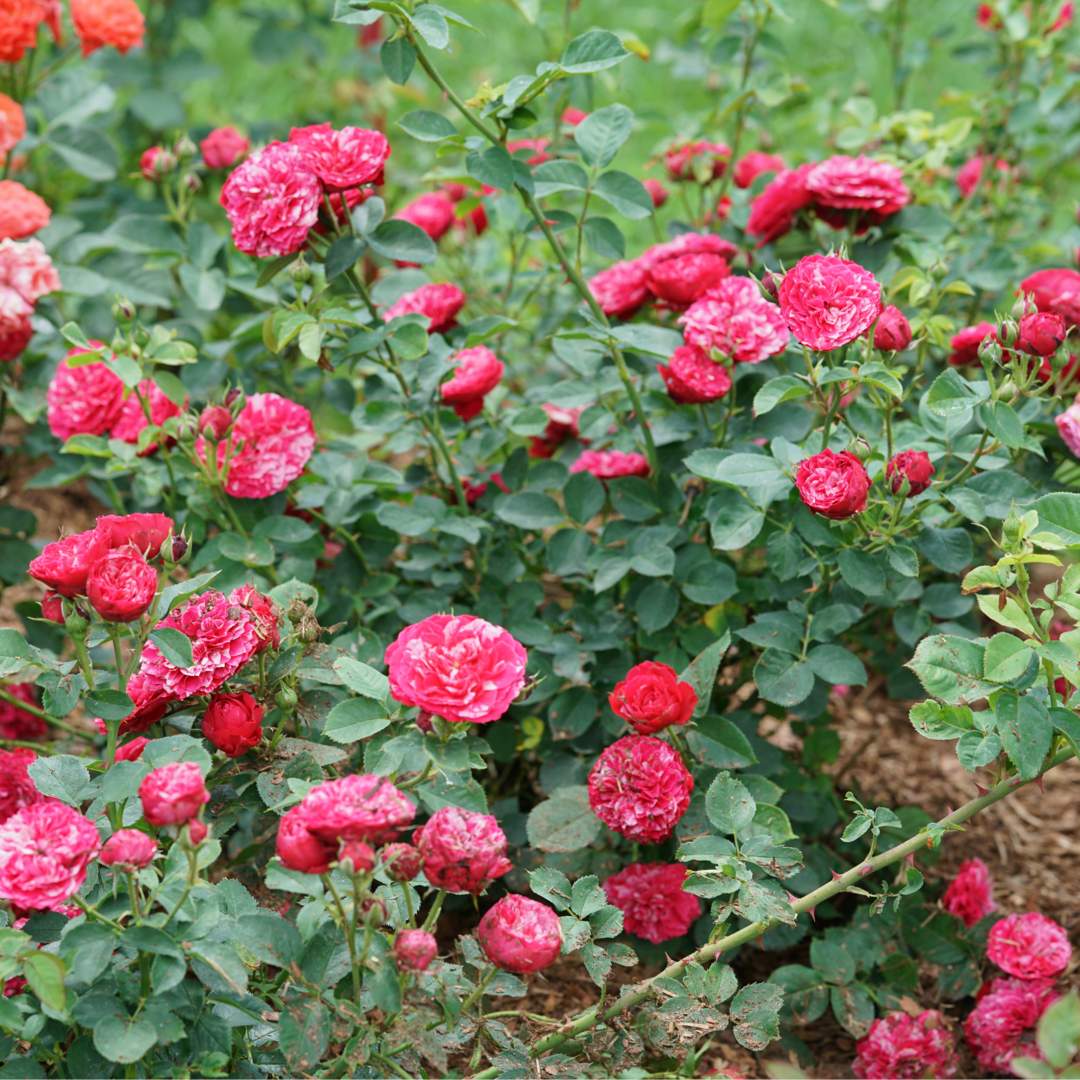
[
  {"x": 1007, "y": 331},
  {"x": 232, "y": 395},
  {"x": 372, "y": 912},
  {"x": 423, "y": 722},
  {"x": 187, "y": 429},
  {"x": 195, "y": 833},
  {"x": 990, "y": 351},
  {"x": 938, "y": 271},
  {"x": 123, "y": 311},
  {"x": 300, "y": 272},
  {"x": 76, "y": 620},
  {"x": 156, "y": 163},
  {"x": 1013, "y": 527},
  {"x": 236, "y": 400},
  {"x": 192, "y": 181},
  {"x": 861, "y": 449},
  {"x": 215, "y": 421},
  {"x": 174, "y": 550},
  {"x": 52, "y": 607},
  {"x": 185, "y": 148},
  {"x": 1024, "y": 305},
  {"x": 770, "y": 284},
  {"x": 355, "y": 858},
  {"x": 285, "y": 699}
]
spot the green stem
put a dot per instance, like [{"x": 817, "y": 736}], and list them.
[
  {"x": 349, "y": 939},
  {"x": 437, "y": 432},
  {"x": 93, "y": 913},
  {"x": 433, "y": 914},
  {"x": 710, "y": 951}
]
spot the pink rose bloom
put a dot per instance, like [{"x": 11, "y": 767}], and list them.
[
  {"x": 688, "y": 243},
  {"x": 970, "y": 895},
  {"x": 301, "y": 850},
  {"x": 432, "y": 212},
  {"x": 156, "y": 163},
  {"x": 440, "y": 303},
  {"x": 911, "y": 465},
  {"x": 902, "y": 1047},
  {"x": 356, "y": 807},
  {"x": 272, "y": 201},
  {"x": 85, "y": 400},
  {"x": 640, "y": 788},
  {"x": 1029, "y": 946},
  {"x": 537, "y": 146},
  {"x": 65, "y": 565},
  {"x": 151, "y": 704},
  {"x": 131, "y": 751},
  {"x": 562, "y": 425},
  {"x": 834, "y": 485},
  {"x": 272, "y": 441},
  {"x": 16, "y": 330},
  {"x": 143, "y": 532},
  {"x": 772, "y": 213},
  {"x": 1002, "y": 1025},
  {"x": 44, "y": 852},
  {"x": 223, "y": 639},
  {"x": 400, "y": 861},
  {"x": 28, "y": 270},
  {"x": 828, "y": 302},
  {"x": 840, "y": 184},
  {"x": 121, "y": 586},
  {"x": 657, "y": 192},
  {"x": 224, "y": 147},
  {"x": 738, "y": 321},
  {"x": 459, "y": 667},
  {"x": 16, "y": 723},
  {"x": 173, "y": 794},
  {"x": 611, "y": 464},
  {"x": 17, "y": 790},
  {"x": 621, "y": 289},
  {"x": 133, "y": 417},
  {"x": 692, "y": 377},
  {"x": 22, "y": 212},
  {"x": 893, "y": 331},
  {"x": 970, "y": 173},
  {"x": 652, "y": 900},
  {"x": 414, "y": 950},
  {"x": 478, "y": 373},
  {"x": 1068, "y": 425},
  {"x": 678, "y": 282},
  {"x": 750, "y": 166},
  {"x": 572, "y": 116},
  {"x": 463, "y": 852},
  {"x": 264, "y": 613},
  {"x": 521, "y": 935},
  {"x": 685, "y": 161},
  {"x": 342, "y": 159},
  {"x": 965, "y": 345},
  {"x": 128, "y": 850},
  {"x": 1055, "y": 290}
]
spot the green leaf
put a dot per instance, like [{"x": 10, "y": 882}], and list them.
[
  {"x": 551, "y": 885},
  {"x": 657, "y": 605},
  {"x": 729, "y": 805},
  {"x": 584, "y": 496},
  {"x": 1060, "y": 514},
  {"x": 951, "y": 668},
  {"x": 625, "y": 193},
  {"x": 805, "y": 995},
  {"x": 108, "y": 704},
  {"x": 854, "y": 1008},
  {"x": 122, "y": 779},
  {"x": 783, "y": 678},
  {"x": 701, "y": 673},
  {"x": 862, "y": 571},
  {"x": 123, "y": 1039},
  {"x": 61, "y": 776},
  {"x": 174, "y": 644},
  {"x": 342, "y": 254},
  {"x": 558, "y": 175},
  {"x": 384, "y": 988},
  {"x": 951, "y": 394},
  {"x": 1026, "y": 732},
  {"x": 784, "y": 554},
  {"x": 775, "y": 391},
  {"x": 601, "y": 134},
  {"x": 592, "y": 51},
  {"x": 976, "y": 750},
  {"x": 565, "y": 822},
  {"x": 755, "y": 1015},
  {"x": 718, "y": 742},
  {"x": 45, "y": 974},
  {"x": 270, "y": 938},
  {"x": 529, "y": 510},
  {"x": 1059, "y": 1030},
  {"x": 398, "y": 59},
  {"x": 431, "y": 25},
  {"x": 363, "y": 679},
  {"x": 716, "y": 12},
  {"x": 948, "y": 549},
  {"x": 739, "y": 470},
  {"x": 1003, "y": 422},
  {"x": 85, "y": 150},
  {"x": 304, "y": 1033},
  {"x": 736, "y": 525},
  {"x": 1006, "y": 658},
  {"x": 427, "y": 125},
  {"x": 355, "y": 719},
  {"x": 935, "y": 721},
  {"x": 492, "y": 166},
  {"x": 836, "y": 665},
  {"x": 404, "y": 241},
  {"x": 604, "y": 237},
  {"x": 206, "y": 288}
]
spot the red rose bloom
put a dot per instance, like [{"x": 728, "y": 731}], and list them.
[
  {"x": 264, "y": 615},
  {"x": 750, "y": 166},
  {"x": 440, "y": 303},
  {"x": 1002, "y": 1025},
  {"x": 16, "y": 330},
  {"x": 1041, "y": 333},
  {"x": 892, "y": 332},
  {"x": 22, "y": 212},
  {"x": 697, "y": 159},
  {"x": 640, "y": 788},
  {"x": 828, "y": 302},
  {"x": 84, "y": 400},
  {"x": 538, "y": 147},
  {"x": 224, "y": 147},
  {"x": 342, "y": 159},
  {"x": 915, "y": 466},
  {"x": 65, "y": 565},
  {"x": 17, "y": 790},
  {"x": 875, "y": 189},
  {"x": 128, "y": 850},
  {"x": 19, "y": 22},
  {"x": 98, "y": 23},
  {"x": 432, "y": 212},
  {"x": 52, "y": 607},
  {"x": 772, "y": 213},
  {"x": 651, "y": 698},
  {"x": 692, "y": 377},
  {"x": 1029, "y": 946},
  {"x": 971, "y": 172},
  {"x": 301, "y": 850},
  {"x": 611, "y": 464},
  {"x": 652, "y": 900},
  {"x": 965, "y": 345},
  {"x": 688, "y": 243},
  {"x": 131, "y": 751},
  {"x": 133, "y": 416},
  {"x": 680, "y": 281},
  {"x": 357, "y": 807},
  {"x": 657, "y": 192},
  {"x": 833, "y": 484},
  {"x": 401, "y": 861},
  {"x": 622, "y": 289},
  {"x": 121, "y": 586},
  {"x": 1055, "y": 290},
  {"x": 520, "y": 935},
  {"x": 562, "y": 425},
  {"x": 12, "y": 125},
  {"x": 233, "y": 723},
  {"x": 143, "y": 532},
  {"x": 463, "y": 852},
  {"x": 173, "y": 794},
  {"x": 970, "y": 895},
  {"x": 902, "y": 1047},
  {"x": 478, "y": 373},
  {"x": 16, "y": 723}
]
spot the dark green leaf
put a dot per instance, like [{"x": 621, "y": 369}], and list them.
[
  {"x": 404, "y": 241},
  {"x": 175, "y": 646}
]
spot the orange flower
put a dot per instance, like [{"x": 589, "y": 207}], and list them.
[
  {"x": 19, "y": 20},
  {"x": 22, "y": 212},
  {"x": 12, "y": 125},
  {"x": 98, "y": 23}
]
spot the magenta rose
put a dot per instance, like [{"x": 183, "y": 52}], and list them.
[
  {"x": 224, "y": 147},
  {"x": 892, "y": 332},
  {"x": 463, "y": 852},
  {"x": 965, "y": 344},
  {"x": 870, "y": 189},
  {"x": 143, "y": 532},
  {"x": 173, "y": 794},
  {"x": 414, "y": 950},
  {"x": 750, "y": 166},
  {"x": 133, "y": 417},
  {"x": 64, "y": 566},
  {"x": 697, "y": 159},
  {"x": 652, "y": 899},
  {"x": 772, "y": 213},
  {"x": 128, "y": 850},
  {"x": 356, "y": 807},
  {"x": 902, "y": 1045},
  {"x": 233, "y": 723},
  {"x": 1068, "y": 425},
  {"x": 834, "y": 485},
  {"x": 828, "y": 302},
  {"x": 16, "y": 330},
  {"x": 17, "y": 790},
  {"x": 657, "y": 192},
  {"x": 736, "y": 320},
  {"x": 441, "y": 305},
  {"x": 121, "y": 586},
  {"x": 477, "y": 373},
  {"x": 1041, "y": 333},
  {"x": 433, "y": 212},
  {"x": 264, "y": 613},
  {"x": 692, "y": 377},
  {"x": 622, "y": 289},
  {"x": 678, "y": 282},
  {"x": 914, "y": 465},
  {"x": 459, "y": 667},
  {"x": 970, "y": 895},
  {"x": 687, "y": 243},
  {"x": 84, "y": 400},
  {"x": 342, "y": 159},
  {"x": 1057, "y": 289},
  {"x": 18, "y": 724},
  {"x": 1002, "y": 1025},
  {"x": 611, "y": 464},
  {"x": 401, "y": 861},
  {"x": 28, "y": 271},
  {"x": 1029, "y": 946},
  {"x": 520, "y": 935},
  {"x": 301, "y": 850}
]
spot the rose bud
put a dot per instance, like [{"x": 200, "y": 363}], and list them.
[
  {"x": 651, "y": 698},
  {"x": 128, "y": 850},
  {"x": 893, "y": 331},
  {"x": 172, "y": 794},
  {"x": 236, "y": 399},
  {"x": 156, "y": 163},
  {"x": 414, "y": 950},
  {"x": 521, "y": 935},
  {"x": 233, "y": 723},
  {"x": 196, "y": 832},
  {"x": 1007, "y": 330},
  {"x": 463, "y": 852},
  {"x": 174, "y": 550},
  {"x": 401, "y": 862},
  {"x": 299, "y": 849},
  {"x": 215, "y": 421},
  {"x": 131, "y": 751},
  {"x": 833, "y": 484},
  {"x": 423, "y": 717},
  {"x": 372, "y": 912},
  {"x": 657, "y": 192},
  {"x": 52, "y": 607},
  {"x": 1041, "y": 334},
  {"x": 121, "y": 586},
  {"x": 286, "y": 699},
  {"x": 770, "y": 284},
  {"x": 914, "y": 465},
  {"x": 355, "y": 858}
]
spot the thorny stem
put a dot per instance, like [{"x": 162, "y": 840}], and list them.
[{"x": 710, "y": 951}]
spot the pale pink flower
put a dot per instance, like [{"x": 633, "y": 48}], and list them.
[{"x": 27, "y": 269}]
